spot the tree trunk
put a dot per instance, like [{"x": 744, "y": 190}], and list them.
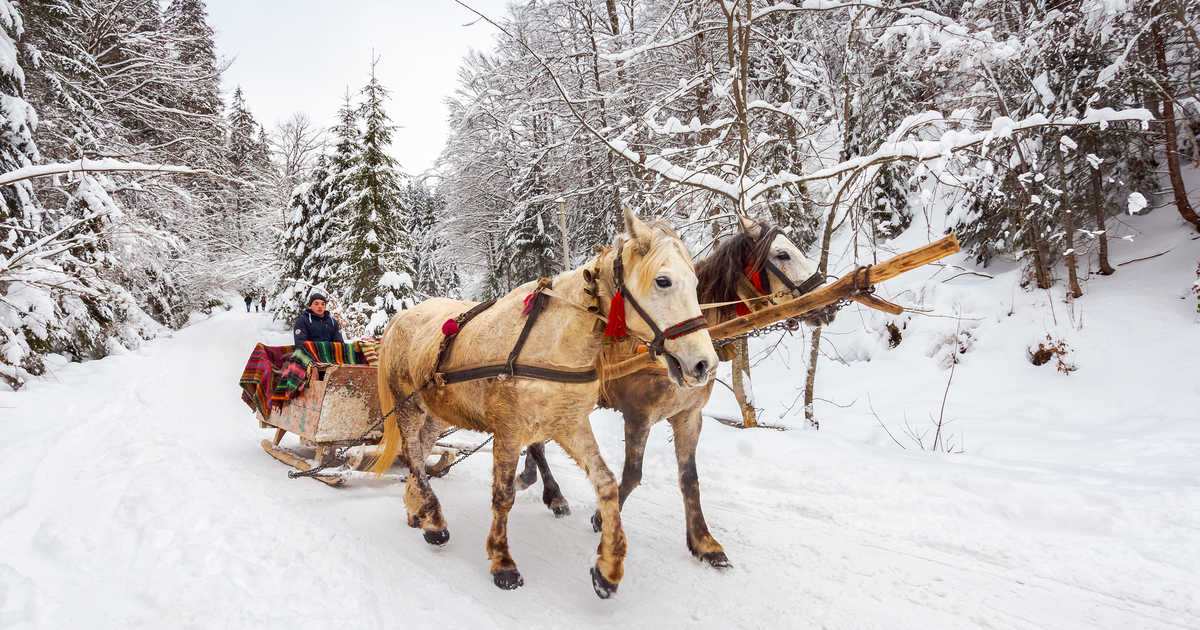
[
  {"x": 743, "y": 388},
  {"x": 1170, "y": 133},
  {"x": 1041, "y": 256},
  {"x": 1098, "y": 212},
  {"x": 1069, "y": 227},
  {"x": 811, "y": 382}
]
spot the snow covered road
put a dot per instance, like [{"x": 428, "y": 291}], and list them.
[{"x": 133, "y": 493}]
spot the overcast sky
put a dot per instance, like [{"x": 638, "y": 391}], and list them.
[{"x": 300, "y": 55}]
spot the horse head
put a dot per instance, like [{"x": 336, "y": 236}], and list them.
[
  {"x": 654, "y": 296},
  {"x": 760, "y": 259}
]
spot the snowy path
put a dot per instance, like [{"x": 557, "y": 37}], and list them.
[
  {"x": 133, "y": 493},
  {"x": 123, "y": 507}
]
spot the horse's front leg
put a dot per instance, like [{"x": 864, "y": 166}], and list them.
[
  {"x": 700, "y": 542},
  {"x": 581, "y": 445},
  {"x": 637, "y": 431},
  {"x": 551, "y": 494},
  {"x": 505, "y": 453}
]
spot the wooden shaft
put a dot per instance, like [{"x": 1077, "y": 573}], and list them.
[
  {"x": 878, "y": 303},
  {"x": 824, "y": 296}
]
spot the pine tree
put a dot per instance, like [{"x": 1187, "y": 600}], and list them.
[
  {"x": 434, "y": 271},
  {"x": 308, "y": 227},
  {"x": 374, "y": 270}
]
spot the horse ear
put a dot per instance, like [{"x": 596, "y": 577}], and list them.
[
  {"x": 637, "y": 229},
  {"x": 750, "y": 226}
]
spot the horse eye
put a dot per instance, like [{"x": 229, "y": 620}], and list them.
[
  {"x": 662, "y": 282},
  {"x": 783, "y": 256}
]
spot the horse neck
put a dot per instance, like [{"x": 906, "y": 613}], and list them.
[
  {"x": 712, "y": 280},
  {"x": 572, "y": 334}
]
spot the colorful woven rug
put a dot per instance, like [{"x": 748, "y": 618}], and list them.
[{"x": 276, "y": 374}]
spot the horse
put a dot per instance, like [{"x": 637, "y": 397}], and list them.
[
  {"x": 648, "y": 267},
  {"x": 740, "y": 270}
]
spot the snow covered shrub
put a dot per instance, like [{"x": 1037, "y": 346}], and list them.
[
  {"x": 949, "y": 345},
  {"x": 1058, "y": 350},
  {"x": 894, "y": 336}
]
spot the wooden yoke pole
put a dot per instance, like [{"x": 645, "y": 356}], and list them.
[{"x": 843, "y": 288}]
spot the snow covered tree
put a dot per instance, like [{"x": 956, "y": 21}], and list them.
[
  {"x": 435, "y": 272},
  {"x": 374, "y": 267}
]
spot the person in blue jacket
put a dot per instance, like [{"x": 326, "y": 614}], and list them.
[{"x": 316, "y": 323}]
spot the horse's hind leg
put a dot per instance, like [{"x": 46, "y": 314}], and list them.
[
  {"x": 504, "y": 468},
  {"x": 637, "y": 431},
  {"x": 529, "y": 475},
  {"x": 610, "y": 567},
  {"x": 700, "y": 542},
  {"x": 551, "y": 493},
  {"x": 422, "y": 504}
]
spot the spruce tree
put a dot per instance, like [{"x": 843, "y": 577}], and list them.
[{"x": 374, "y": 269}]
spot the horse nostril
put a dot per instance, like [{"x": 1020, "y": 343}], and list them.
[{"x": 701, "y": 368}]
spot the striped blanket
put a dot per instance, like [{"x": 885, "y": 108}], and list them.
[{"x": 276, "y": 374}]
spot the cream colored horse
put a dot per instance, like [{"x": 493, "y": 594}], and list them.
[
  {"x": 649, "y": 397},
  {"x": 658, "y": 274}
]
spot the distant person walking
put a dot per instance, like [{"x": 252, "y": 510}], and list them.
[
  {"x": 249, "y": 298},
  {"x": 262, "y": 303}
]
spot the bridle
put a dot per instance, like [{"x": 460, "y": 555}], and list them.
[
  {"x": 657, "y": 345},
  {"x": 813, "y": 281}
]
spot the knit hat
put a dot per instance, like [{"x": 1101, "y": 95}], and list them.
[{"x": 314, "y": 297}]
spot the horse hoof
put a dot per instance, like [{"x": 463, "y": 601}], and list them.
[
  {"x": 604, "y": 588},
  {"x": 717, "y": 560},
  {"x": 508, "y": 579},
  {"x": 597, "y": 522},
  {"x": 437, "y": 537},
  {"x": 561, "y": 510}
]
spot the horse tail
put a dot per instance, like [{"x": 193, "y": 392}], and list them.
[{"x": 389, "y": 446}]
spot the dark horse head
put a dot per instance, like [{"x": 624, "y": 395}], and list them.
[{"x": 760, "y": 256}]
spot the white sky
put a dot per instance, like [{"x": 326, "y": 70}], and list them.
[{"x": 300, "y": 55}]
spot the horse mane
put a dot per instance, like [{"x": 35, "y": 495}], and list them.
[{"x": 719, "y": 275}]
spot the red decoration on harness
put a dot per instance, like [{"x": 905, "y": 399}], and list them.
[
  {"x": 616, "y": 317},
  {"x": 528, "y": 304},
  {"x": 752, "y": 274},
  {"x": 756, "y": 280},
  {"x": 450, "y": 328}
]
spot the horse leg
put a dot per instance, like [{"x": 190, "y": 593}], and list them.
[
  {"x": 610, "y": 566},
  {"x": 529, "y": 475},
  {"x": 551, "y": 493},
  {"x": 504, "y": 468},
  {"x": 637, "y": 431},
  {"x": 700, "y": 542},
  {"x": 422, "y": 504}
]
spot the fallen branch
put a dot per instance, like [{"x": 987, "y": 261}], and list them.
[{"x": 1146, "y": 258}]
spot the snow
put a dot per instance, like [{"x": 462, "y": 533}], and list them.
[
  {"x": 1137, "y": 202},
  {"x": 134, "y": 491}
]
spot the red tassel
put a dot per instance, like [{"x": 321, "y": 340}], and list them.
[
  {"x": 755, "y": 279},
  {"x": 528, "y": 305},
  {"x": 616, "y": 317},
  {"x": 741, "y": 309},
  {"x": 450, "y": 328}
]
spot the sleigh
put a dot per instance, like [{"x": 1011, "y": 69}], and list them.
[
  {"x": 338, "y": 421},
  {"x": 338, "y": 408}
]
